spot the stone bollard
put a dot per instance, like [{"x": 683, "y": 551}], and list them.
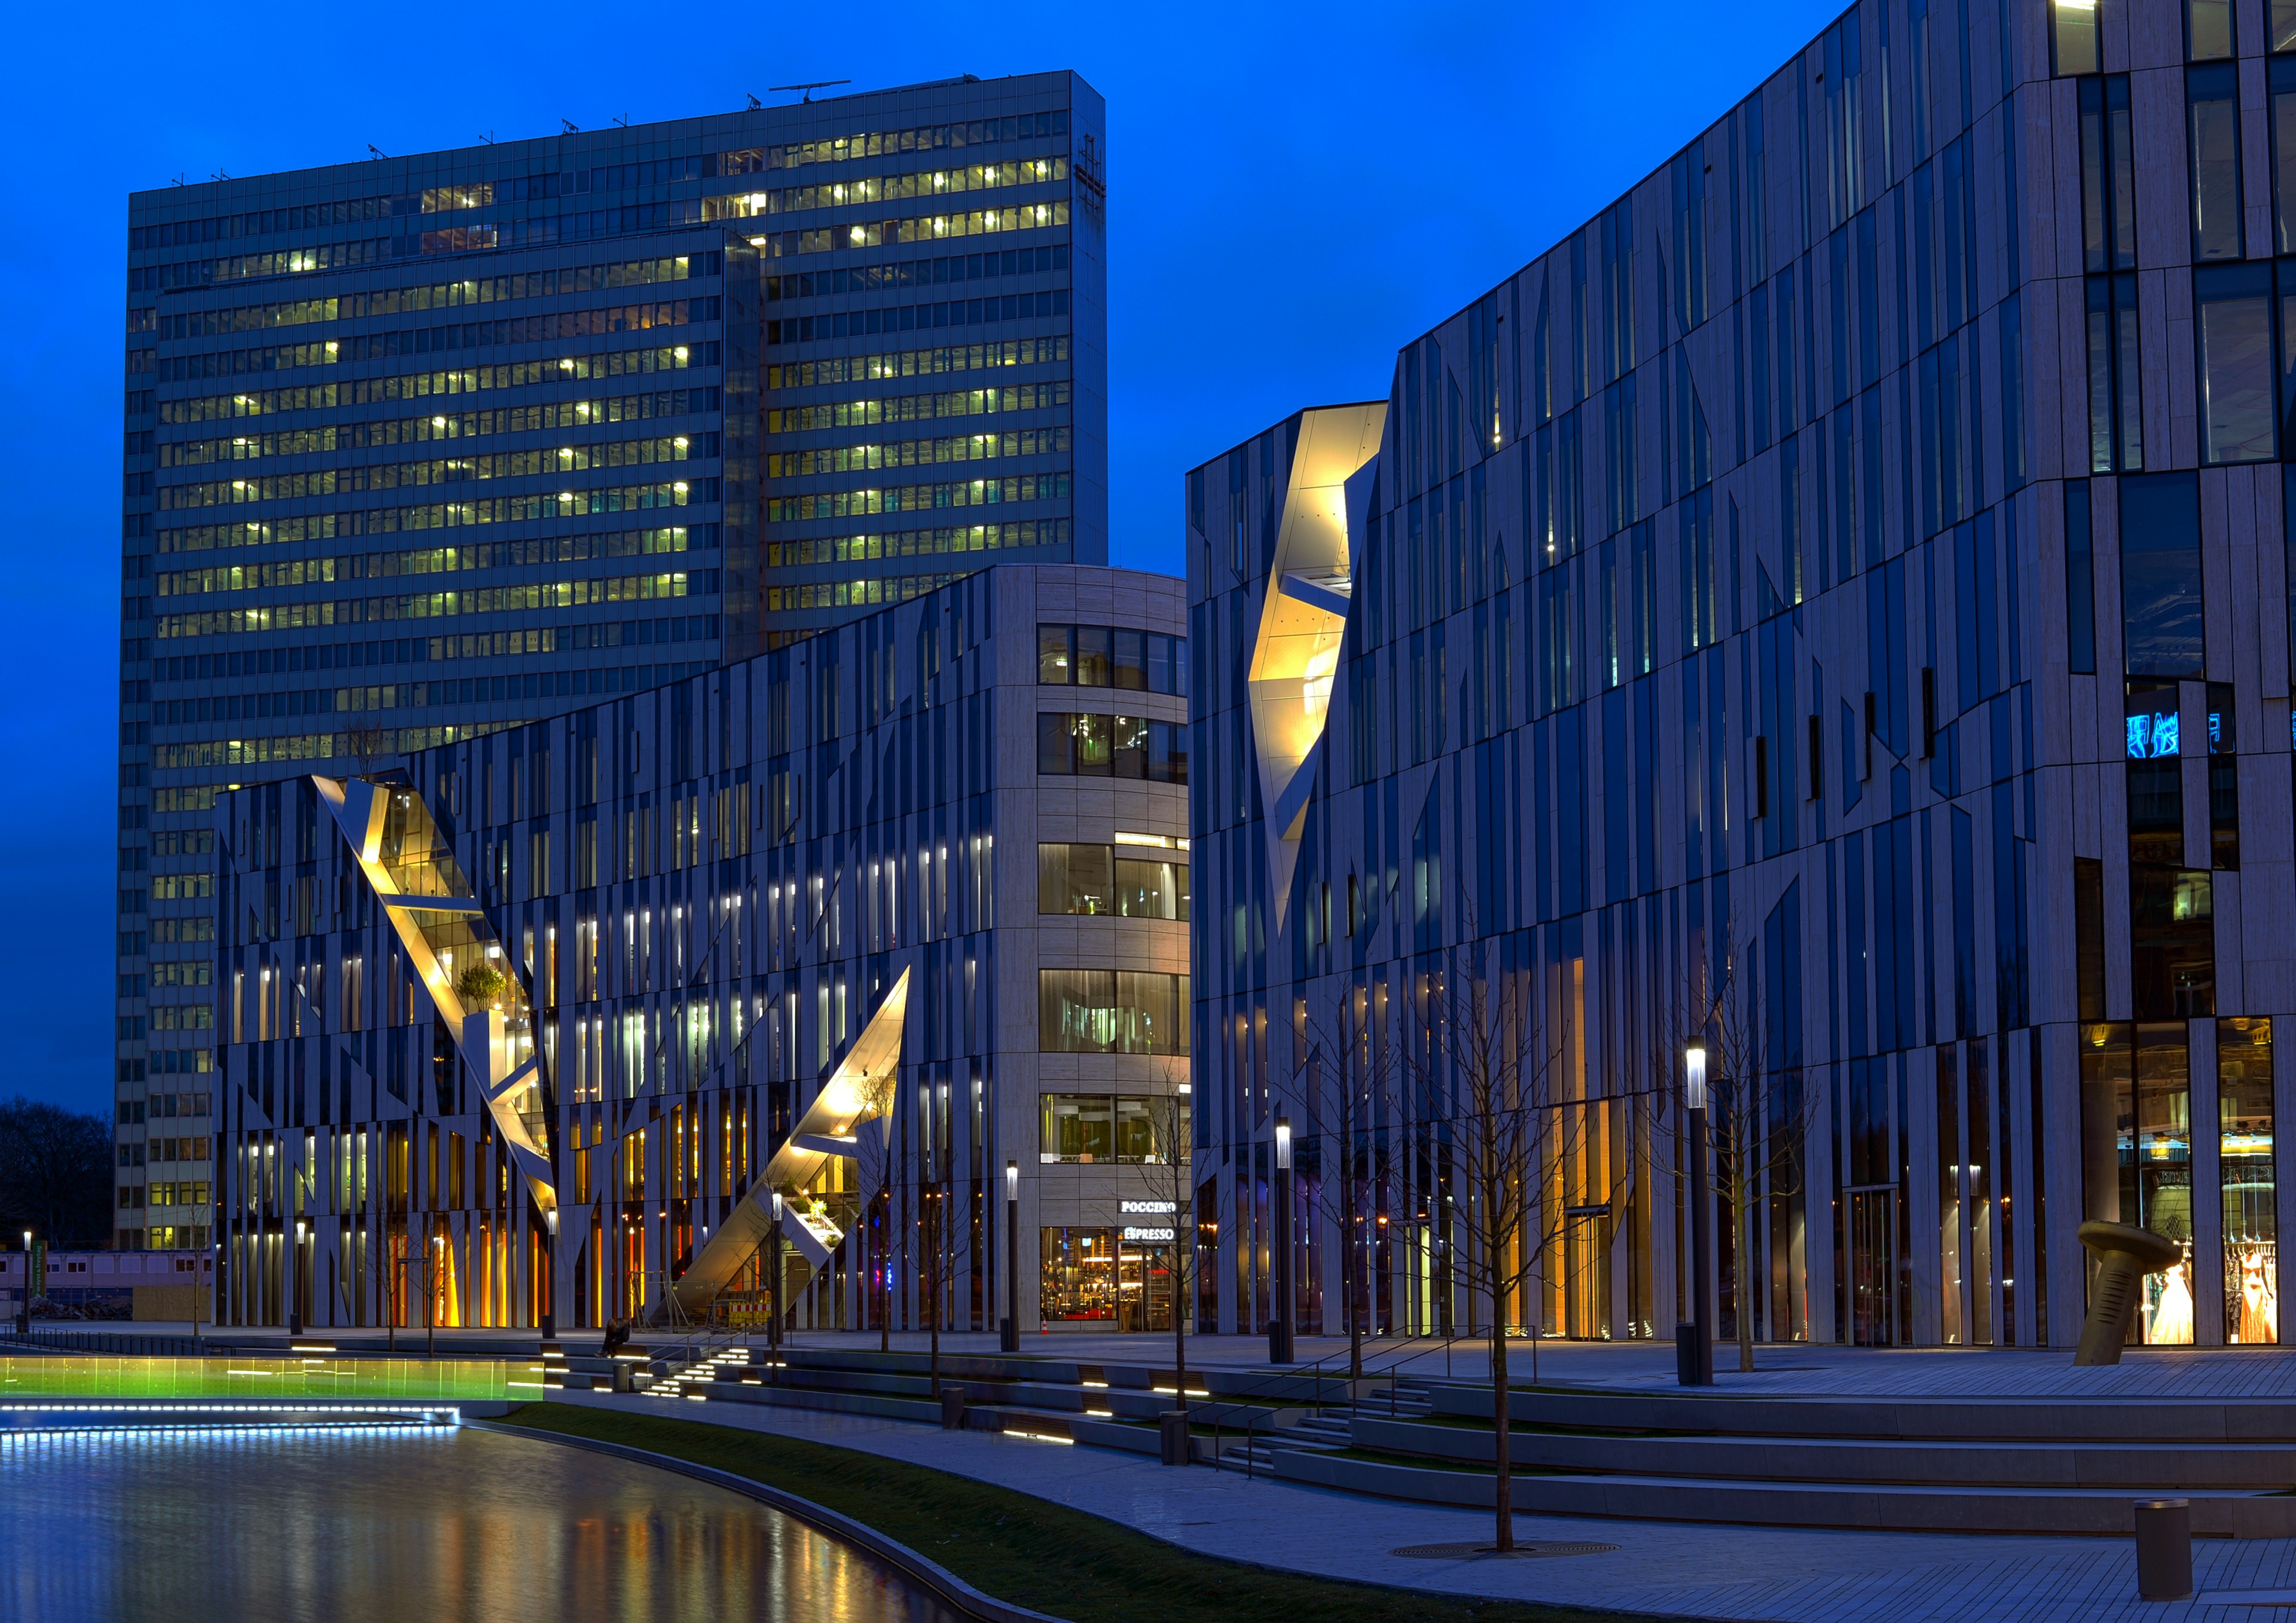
[
  {"x": 1173, "y": 1428},
  {"x": 952, "y": 1408},
  {"x": 2164, "y": 1550},
  {"x": 2125, "y": 1255}
]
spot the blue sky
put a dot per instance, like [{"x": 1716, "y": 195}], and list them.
[{"x": 1288, "y": 200}]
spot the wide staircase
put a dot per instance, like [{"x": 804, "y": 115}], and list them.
[
  {"x": 1331, "y": 1429},
  {"x": 1935, "y": 1466},
  {"x": 1107, "y": 1404}
]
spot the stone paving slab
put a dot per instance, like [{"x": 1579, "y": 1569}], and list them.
[{"x": 1746, "y": 1575}]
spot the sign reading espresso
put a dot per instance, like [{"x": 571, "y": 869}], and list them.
[{"x": 1148, "y": 1234}]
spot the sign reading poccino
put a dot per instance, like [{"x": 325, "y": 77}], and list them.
[{"x": 1147, "y": 1209}]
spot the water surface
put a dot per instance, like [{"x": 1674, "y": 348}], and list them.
[{"x": 404, "y": 1527}]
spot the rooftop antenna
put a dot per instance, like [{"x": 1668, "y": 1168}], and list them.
[
  {"x": 217, "y": 174},
  {"x": 756, "y": 105},
  {"x": 572, "y": 128},
  {"x": 178, "y": 181},
  {"x": 489, "y": 137},
  {"x": 809, "y": 87},
  {"x": 377, "y": 150}
]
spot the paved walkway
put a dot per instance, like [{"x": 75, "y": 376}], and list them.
[
  {"x": 1800, "y": 1371},
  {"x": 1677, "y": 1570},
  {"x": 1787, "y": 1369}
]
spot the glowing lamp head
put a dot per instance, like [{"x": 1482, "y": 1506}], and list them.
[
  {"x": 1284, "y": 1144},
  {"x": 549, "y": 1220},
  {"x": 777, "y": 1205},
  {"x": 1693, "y": 1076},
  {"x": 1012, "y": 1180}
]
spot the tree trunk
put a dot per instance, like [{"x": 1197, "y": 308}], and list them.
[
  {"x": 932, "y": 1320},
  {"x": 1503, "y": 1482},
  {"x": 1356, "y": 1274},
  {"x": 1745, "y": 1280},
  {"x": 1179, "y": 1349}
]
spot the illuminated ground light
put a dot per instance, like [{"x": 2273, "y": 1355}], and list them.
[{"x": 27, "y": 1420}]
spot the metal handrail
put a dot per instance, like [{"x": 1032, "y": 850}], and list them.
[{"x": 1414, "y": 1344}]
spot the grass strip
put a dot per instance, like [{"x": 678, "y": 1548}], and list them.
[{"x": 1027, "y": 1551}]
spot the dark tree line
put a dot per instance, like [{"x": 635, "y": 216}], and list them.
[{"x": 55, "y": 1176}]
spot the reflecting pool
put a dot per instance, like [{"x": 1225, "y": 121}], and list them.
[{"x": 390, "y": 1526}]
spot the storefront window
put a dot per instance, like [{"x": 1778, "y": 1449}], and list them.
[
  {"x": 1112, "y": 1278},
  {"x": 2245, "y": 1149},
  {"x": 2137, "y": 1155},
  {"x": 2158, "y": 1180}
]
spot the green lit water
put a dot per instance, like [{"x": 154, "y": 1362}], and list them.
[{"x": 95, "y": 1375}]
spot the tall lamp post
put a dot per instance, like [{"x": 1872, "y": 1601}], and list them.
[
  {"x": 1694, "y": 1365},
  {"x": 773, "y": 1299},
  {"x": 1279, "y": 1326},
  {"x": 431, "y": 1297},
  {"x": 1008, "y": 1333},
  {"x": 24, "y": 1308},
  {"x": 295, "y": 1283},
  {"x": 550, "y": 1275}
]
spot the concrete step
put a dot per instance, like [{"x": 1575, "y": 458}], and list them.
[
  {"x": 1897, "y": 1507},
  {"x": 2100, "y": 1420},
  {"x": 1970, "y": 1464}
]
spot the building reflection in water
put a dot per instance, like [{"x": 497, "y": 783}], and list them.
[{"x": 379, "y": 1527}]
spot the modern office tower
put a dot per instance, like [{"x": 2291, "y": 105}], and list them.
[
  {"x": 422, "y": 448},
  {"x": 1834, "y": 603},
  {"x": 856, "y": 925}
]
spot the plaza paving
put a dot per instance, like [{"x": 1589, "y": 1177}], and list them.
[{"x": 1665, "y": 1568}]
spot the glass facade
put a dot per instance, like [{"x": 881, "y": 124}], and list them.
[
  {"x": 1791, "y": 610},
  {"x": 603, "y": 965},
  {"x": 667, "y": 390}
]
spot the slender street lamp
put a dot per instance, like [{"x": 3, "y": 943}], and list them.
[
  {"x": 773, "y": 1327},
  {"x": 550, "y": 1275},
  {"x": 1697, "y": 1367},
  {"x": 1279, "y": 1326},
  {"x": 1008, "y": 1333},
  {"x": 24, "y": 1308},
  {"x": 431, "y": 1297},
  {"x": 295, "y": 1283}
]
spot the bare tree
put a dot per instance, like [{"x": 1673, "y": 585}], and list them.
[
  {"x": 932, "y": 1239},
  {"x": 1488, "y": 1078},
  {"x": 371, "y": 746},
  {"x": 1350, "y": 1066},
  {"x": 1526, "y": 1142},
  {"x": 1759, "y": 1117},
  {"x": 1170, "y": 1175}
]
